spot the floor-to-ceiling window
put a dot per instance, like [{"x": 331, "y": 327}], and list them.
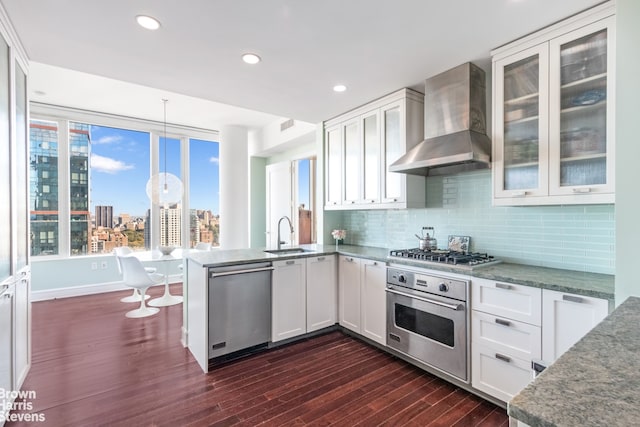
[
  {"x": 204, "y": 192},
  {"x": 88, "y": 184}
]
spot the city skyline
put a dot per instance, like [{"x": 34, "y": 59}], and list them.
[{"x": 120, "y": 169}]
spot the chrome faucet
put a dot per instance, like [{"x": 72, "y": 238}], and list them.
[{"x": 280, "y": 242}]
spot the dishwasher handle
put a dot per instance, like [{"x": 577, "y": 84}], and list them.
[{"x": 234, "y": 272}]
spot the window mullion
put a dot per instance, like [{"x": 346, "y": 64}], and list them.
[{"x": 64, "y": 192}]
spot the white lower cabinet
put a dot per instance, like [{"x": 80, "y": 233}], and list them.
[
  {"x": 498, "y": 374},
  {"x": 505, "y": 337},
  {"x": 321, "y": 292},
  {"x": 362, "y": 299},
  {"x": 566, "y": 318},
  {"x": 349, "y": 297},
  {"x": 373, "y": 307},
  {"x": 288, "y": 299},
  {"x": 303, "y": 296}
]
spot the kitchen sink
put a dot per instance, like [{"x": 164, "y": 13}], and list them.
[{"x": 286, "y": 251}]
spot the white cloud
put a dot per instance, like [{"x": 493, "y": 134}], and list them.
[
  {"x": 107, "y": 139},
  {"x": 107, "y": 164},
  {"x": 215, "y": 160}
]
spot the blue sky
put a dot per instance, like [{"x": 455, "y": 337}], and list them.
[{"x": 120, "y": 170}]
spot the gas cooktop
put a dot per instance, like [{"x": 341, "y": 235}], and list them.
[{"x": 468, "y": 260}]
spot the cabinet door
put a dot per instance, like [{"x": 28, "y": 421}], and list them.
[
  {"x": 510, "y": 337},
  {"x": 289, "y": 301},
  {"x": 22, "y": 322},
  {"x": 581, "y": 110},
  {"x": 507, "y": 300},
  {"x": 371, "y": 161},
  {"x": 334, "y": 166},
  {"x": 5, "y": 165},
  {"x": 6, "y": 346},
  {"x": 352, "y": 158},
  {"x": 565, "y": 319},
  {"x": 321, "y": 292},
  {"x": 393, "y": 134},
  {"x": 497, "y": 374},
  {"x": 373, "y": 300},
  {"x": 520, "y": 124},
  {"x": 349, "y": 288}
]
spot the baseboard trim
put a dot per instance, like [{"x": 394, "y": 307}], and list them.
[{"x": 77, "y": 291}]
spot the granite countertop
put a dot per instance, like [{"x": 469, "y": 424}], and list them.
[
  {"x": 595, "y": 383},
  {"x": 580, "y": 283}
]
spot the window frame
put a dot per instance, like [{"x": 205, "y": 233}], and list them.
[{"x": 156, "y": 129}]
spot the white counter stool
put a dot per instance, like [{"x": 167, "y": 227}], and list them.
[
  {"x": 124, "y": 251},
  {"x": 135, "y": 276}
]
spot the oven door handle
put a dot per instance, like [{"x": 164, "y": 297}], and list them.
[{"x": 455, "y": 307}]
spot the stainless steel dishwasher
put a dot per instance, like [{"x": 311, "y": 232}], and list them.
[{"x": 239, "y": 310}]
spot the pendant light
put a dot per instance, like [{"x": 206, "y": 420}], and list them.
[{"x": 164, "y": 188}]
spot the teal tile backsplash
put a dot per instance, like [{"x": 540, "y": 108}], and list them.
[{"x": 573, "y": 237}]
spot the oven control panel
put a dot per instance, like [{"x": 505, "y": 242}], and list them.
[{"x": 429, "y": 283}]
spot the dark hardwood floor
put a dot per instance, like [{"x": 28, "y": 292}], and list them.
[{"x": 92, "y": 366}]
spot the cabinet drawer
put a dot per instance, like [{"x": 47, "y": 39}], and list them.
[
  {"x": 507, "y": 300},
  {"x": 499, "y": 375},
  {"x": 506, "y": 336}
]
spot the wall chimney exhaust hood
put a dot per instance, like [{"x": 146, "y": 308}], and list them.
[{"x": 455, "y": 125}]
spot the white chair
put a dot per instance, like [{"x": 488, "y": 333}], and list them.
[
  {"x": 125, "y": 251},
  {"x": 202, "y": 246},
  {"x": 135, "y": 276}
]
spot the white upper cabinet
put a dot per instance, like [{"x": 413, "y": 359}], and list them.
[
  {"x": 553, "y": 98},
  {"x": 361, "y": 144},
  {"x": 333, "y": 187}
]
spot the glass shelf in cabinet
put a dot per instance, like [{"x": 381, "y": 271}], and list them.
[
  {"x": 598, "y": 78},
  {"x": 584, "y": 108},
  {"x": 584, "y": 157},
  {"x": 522, "y": 120},
  {"x": 520, "y": 165},
  {"x": 522, "y": 99}
]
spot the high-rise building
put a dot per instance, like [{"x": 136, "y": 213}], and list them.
[
  {"x": 104, "y": 216},
  {"x": 194, "y": 228},
  {"x": 170, "y": 226},
  {"x": 79, "y": 151},
  {"x": 147, "y": 230},
  {"x": 43, "y": 203}
]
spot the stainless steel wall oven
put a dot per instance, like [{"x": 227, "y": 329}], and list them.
[{"x": 428, "y": 319}]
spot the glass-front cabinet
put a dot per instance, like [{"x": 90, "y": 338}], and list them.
[
  {"x": 523, "y": 142},
  {"x": 361, "y": 144},
  {"x": 553, "y": 115}
]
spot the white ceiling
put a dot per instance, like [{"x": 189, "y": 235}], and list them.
[{"x": 372, "y": 46}]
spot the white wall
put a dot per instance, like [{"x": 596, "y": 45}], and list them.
[
  {"x": 270, "y": 140},
  {"x": 628, "y": 149},
  {"x": 234, "y": 187}
]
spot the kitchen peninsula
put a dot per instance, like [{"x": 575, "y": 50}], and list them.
[
  {"x": 199, "y": 265},
  {"x": 595, "y": 383}
]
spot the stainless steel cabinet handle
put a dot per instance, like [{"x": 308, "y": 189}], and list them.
[
  {"x": 572, "y": 298},
  {"x": 229, "y": 273},
  {"x": 503, "y": 322},
  {"x": 503, "y": 286},
  {"x": 321, "y": 258},
  {"x": 503, "y": 358},
  {"x": 291, "y": 262},
  {"x": 430, "y": 301},
  {"x": 582, "y": 190}
]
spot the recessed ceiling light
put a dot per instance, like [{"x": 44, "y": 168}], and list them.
[
  {"x": 339, "y": 88},
  {"x": 251, "y": 58},
  {"x": 148, "y": 22}
]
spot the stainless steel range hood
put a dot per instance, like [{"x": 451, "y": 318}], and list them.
[{"x": 455, "y": 125}]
